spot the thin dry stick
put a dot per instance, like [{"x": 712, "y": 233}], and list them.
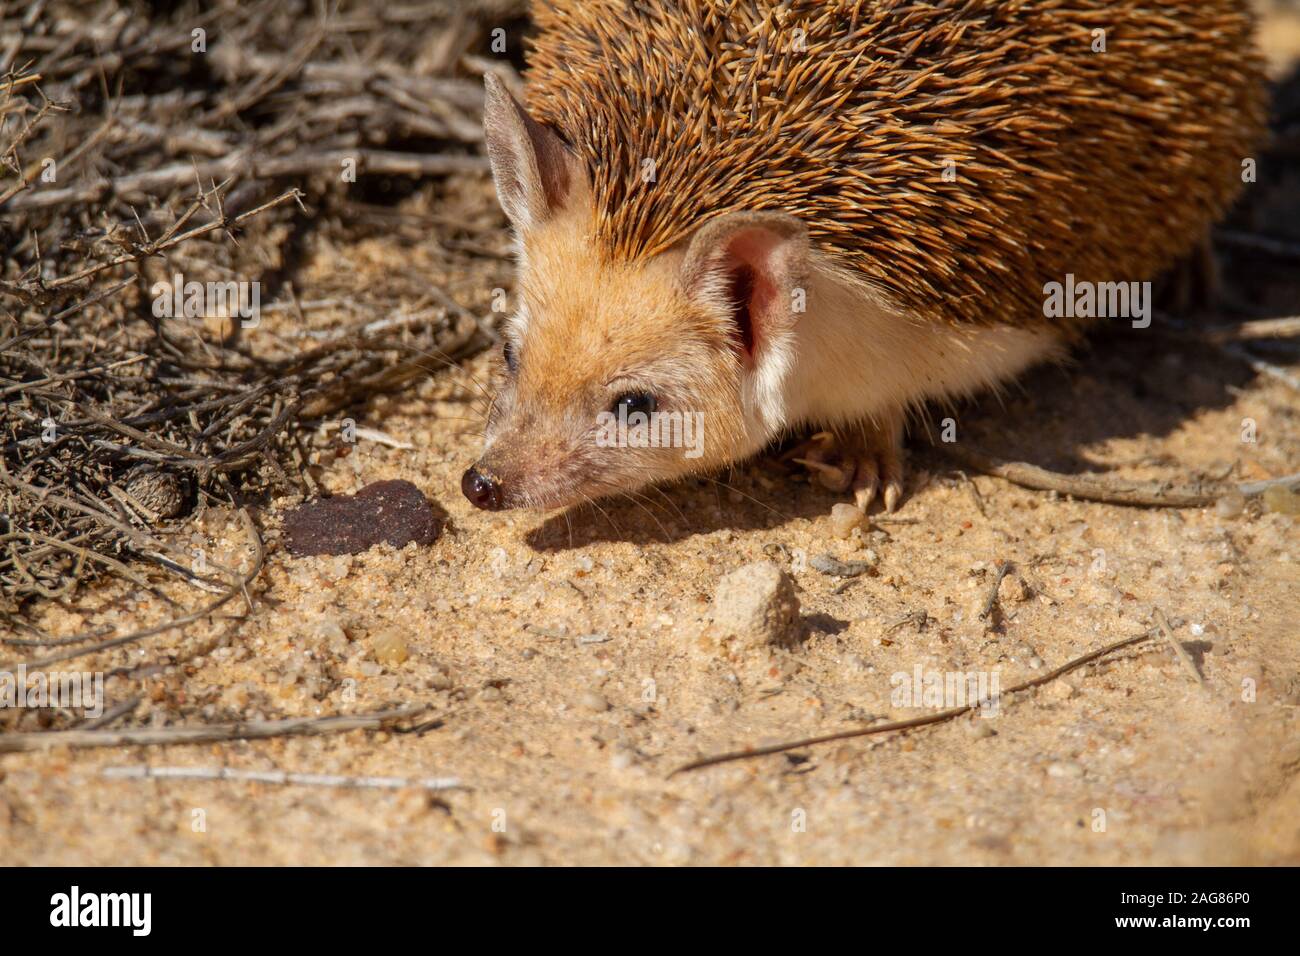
[
  {"x": 466, "y": 94},
  {"x": 1144, "y": 494},
  {"x": 940, "y": 717},
  {"x": 379, "y": 162},
  {"x": 1179, "y": 650},
  {"x": 1263, "y": 368},
  {"x": 1249, "y": 331},
  {"x": 992, "y": 601},
  {"x": 13, "y": 84},
  {"x": 112, "y": 714},
  {"x": 145, "y": 772},
  {"x": 1269, "y": 244},
  {"x": 1251, "y": 488},
  {"x": 153, "y": 248},
  {"x": 210, "y": 733}
]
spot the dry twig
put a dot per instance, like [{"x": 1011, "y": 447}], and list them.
[
  {"x": 1181, "y": 652},
  {"x": 1145, "y": 494},
  {"x": 940, "y": 717},
  {"x": 211, "y": 733},
  {"x": 284, "y": 778}
]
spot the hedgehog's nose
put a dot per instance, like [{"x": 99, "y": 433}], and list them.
[{"x": 483, "y": 490}]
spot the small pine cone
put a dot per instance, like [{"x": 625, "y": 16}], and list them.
[{"x": 162, "y": 492}]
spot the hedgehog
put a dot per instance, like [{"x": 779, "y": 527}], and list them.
[{"x": 738, "y": 220}]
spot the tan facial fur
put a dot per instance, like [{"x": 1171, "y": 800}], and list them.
[{"x": 587, "y": 332}]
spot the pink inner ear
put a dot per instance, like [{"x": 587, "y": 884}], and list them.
[
  {"x": 551, "y": 162},
  {"x": 741, "y": 294},
  {"x": 753, "y": 286}
]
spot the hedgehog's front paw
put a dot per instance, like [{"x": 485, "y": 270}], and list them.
[
  {"x": 867, "y": 459},
  {"x": 879, "y": 471}
]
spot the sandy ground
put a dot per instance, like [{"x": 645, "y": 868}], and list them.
[
  {"x": 568, "y": 676},
  {"x": 566, "y": 669}
]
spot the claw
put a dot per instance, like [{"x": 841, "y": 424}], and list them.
[
  {"x": 893, "y": 492},
  {"x": 879, "y": 473},
  {"x": 868, "y": 463},
  {"x": 832, "y": 478},
  {"x": 866, "y": 483}
]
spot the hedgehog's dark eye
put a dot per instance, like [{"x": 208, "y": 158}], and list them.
[
  {"x": 631, "y": 403},
  {"x": 508, "y": 353}
]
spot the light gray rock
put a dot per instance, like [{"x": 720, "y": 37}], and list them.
[{"x": 756, "y": 606}]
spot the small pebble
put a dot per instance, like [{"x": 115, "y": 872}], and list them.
[
  {"x": 757, "y": 604},
  {"x": 1065, "y": 770},
  {"x": 328, "y": 630},
  {"x": 1060, "y": 690},
  {"x": 1230, "y": 505},
  {"x": 336, "y": 568},
  {"x": 390, "y": 649},
  {"x": 1282, "y": 501},
  {"x": 829, "y": 564},
  {"x": 236, "y": 696},
  {"x": 845, "y": 519},
  {"x": 1030, "y": 656},
  {"x": 590, "y": 700},
  {"x": 328, "y": 633}
]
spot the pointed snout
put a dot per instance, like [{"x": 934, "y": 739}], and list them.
[{"x": 482, "y": 488}]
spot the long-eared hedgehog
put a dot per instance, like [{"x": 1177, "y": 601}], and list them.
[{"x": 735, "y": 218}]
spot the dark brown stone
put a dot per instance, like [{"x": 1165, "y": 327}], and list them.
[{"x": 392, "y": 511}]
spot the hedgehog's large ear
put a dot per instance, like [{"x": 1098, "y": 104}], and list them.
[
  {"x": 533, "y": 170},
  {"x": 754, "y": 264}
]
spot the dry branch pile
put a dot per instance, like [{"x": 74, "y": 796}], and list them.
[{"x": 218, "y": 142}]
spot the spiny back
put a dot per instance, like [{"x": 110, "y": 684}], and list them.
[{"x": 959, "y": 154}]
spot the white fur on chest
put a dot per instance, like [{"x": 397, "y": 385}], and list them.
[{"x": 851, "y": 357}]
